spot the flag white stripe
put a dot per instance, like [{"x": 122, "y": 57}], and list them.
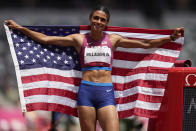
[
  {"x": 139, "y": 76},
  {"x": 144, "y": 63},
  {"x": 51, "y": 84},
  {"x": 139, "y": 104},
  {"x": 167, "y": 52},
  {"x": 138, "y": 35},
  {"x": 140, "y": 90},
  {"x": 160, "y": 51},
  {"x": 45, "y": 70},
  {"x": 51, "y": 99},
  {"x": 179, "y": 40}
]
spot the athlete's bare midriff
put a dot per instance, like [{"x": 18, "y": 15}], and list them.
[{"x": 98, "y": 76}]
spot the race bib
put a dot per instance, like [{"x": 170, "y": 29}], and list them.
[{"x": 97, "y": 54}]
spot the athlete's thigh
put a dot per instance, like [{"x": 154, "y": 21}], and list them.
[
  {"x": 87, "y": 117},
  {"x": 108, "y": 118}
]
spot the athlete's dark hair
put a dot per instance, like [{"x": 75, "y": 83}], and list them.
[{"x": 101, "y": 8}]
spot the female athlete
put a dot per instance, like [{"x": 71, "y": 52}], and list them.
[{"x": 96, "y": 95}]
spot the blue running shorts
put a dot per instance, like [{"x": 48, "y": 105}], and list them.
[{"x": 95, "y": 95}]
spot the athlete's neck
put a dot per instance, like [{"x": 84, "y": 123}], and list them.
[{"x": 95, "y": 35}]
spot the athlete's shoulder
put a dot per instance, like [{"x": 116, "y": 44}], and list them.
[
  {"x": 77, "y": 36},
  {"x": 115, "y": 37}
]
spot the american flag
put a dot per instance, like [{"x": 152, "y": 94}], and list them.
[{"x": 49, "y": 76}]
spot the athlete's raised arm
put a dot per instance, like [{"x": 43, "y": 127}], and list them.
[
  {"x": 70, "y": 40},
  {"x": 120, "y": 41}
]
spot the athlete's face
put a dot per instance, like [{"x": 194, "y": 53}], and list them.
[{"x": 99, "y": 20}]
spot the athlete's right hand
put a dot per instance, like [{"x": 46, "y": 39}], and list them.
[{"x": 13, "y": 25}]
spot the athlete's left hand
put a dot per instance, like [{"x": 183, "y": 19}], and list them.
[{"x": 178, "y": 32}]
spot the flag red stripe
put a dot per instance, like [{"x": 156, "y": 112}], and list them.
[
  {"x": 141, "y": 97},
  {"x": 172, "y": 46},
  {"x": 139, "y": 57},
  {"x": 52, "y": 107},
  {"x": 50, "y": 91},
  {"x": 137, "y": 112},
  {"x": 50, "y": 77},
  {"x": 132, "y": 30},
  {"x": 128, "y": 72}
]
